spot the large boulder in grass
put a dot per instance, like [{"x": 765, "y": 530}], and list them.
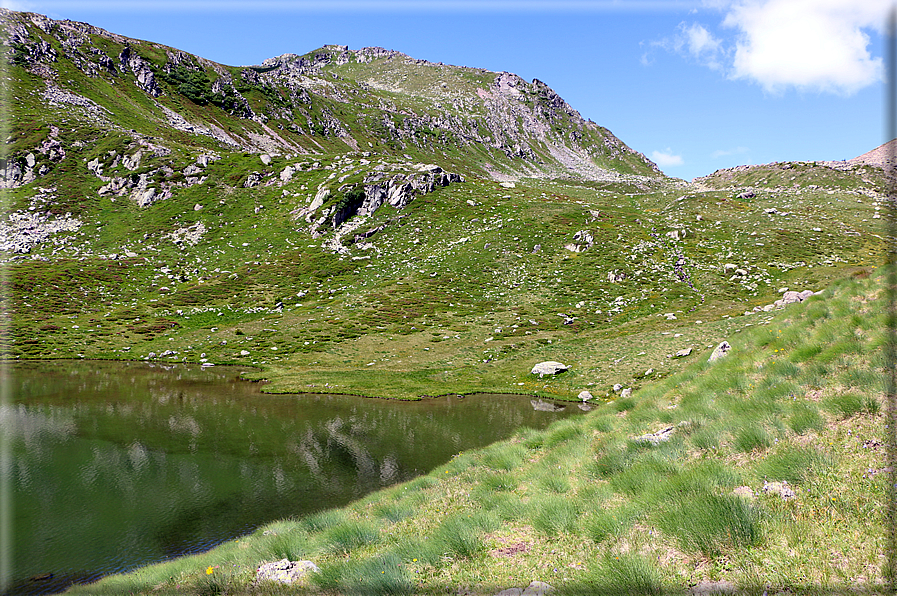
[
  {"x": 720, "y": 351},
  {"x": 549, "y": 367},
  {"x": 286, "y": 572}
]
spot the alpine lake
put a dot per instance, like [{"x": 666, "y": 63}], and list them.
[{"x": 115, "y": 465}]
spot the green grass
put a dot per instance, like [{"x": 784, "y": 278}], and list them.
[
  {"x": 453, "y": 297},
  {"x": 616, "y": 515}
]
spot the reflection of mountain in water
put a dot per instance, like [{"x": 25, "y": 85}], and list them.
[{"x": 117, "y": 465}]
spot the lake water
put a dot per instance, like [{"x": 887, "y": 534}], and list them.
[{"x": 116, "y": 465}]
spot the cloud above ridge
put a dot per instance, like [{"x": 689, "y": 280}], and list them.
[
  {"x": 816, "y": 45},
  {"x": 808, "y": 45},
  {"x": 666, "y": 158}
]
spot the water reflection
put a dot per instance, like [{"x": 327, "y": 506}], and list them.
[{"x": 120, "y": 464}]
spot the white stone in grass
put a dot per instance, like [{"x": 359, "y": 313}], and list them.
[
  {"x": 549, "y": 367},
  {"x": 286, "y": 571},
  {"x": 585, "y": 395},
  {"x": 626, "y": 393},
  {"x": 720, "y": 351},
  {"x": 656, "y": 438},
  {"x": 683, "y": 353},
  {"x": 778, "y": 488}
]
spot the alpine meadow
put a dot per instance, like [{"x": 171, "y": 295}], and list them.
[{"x": 361, "y": 222}]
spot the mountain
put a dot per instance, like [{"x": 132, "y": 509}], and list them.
[{"x": 360, "y": 221}]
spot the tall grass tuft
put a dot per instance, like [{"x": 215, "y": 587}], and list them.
[
  {"x": 608, "y": 523},
  {"x": 554, "y": 515},
  {"x": 375, "y": 577},
  {"x": 367, "y": 577},
  {"x": 393, "y": 512},
  {"x": 350, "y": 535},
  {"x": 804, "y": 418},
  {"x": 794, "y": 464},
  {"x": 624, "y": 574},
  {"x": 563, "y": 431},
  {"x": 323, "y": 520},
  {"x": 845, "y": 405},
  {"x": 504, "y": 457},
  {"x": 708, "y": 523},
  {"x": 751, "y": 437},
  {"x": 501, "y": 481},
  {"x": 460, "y": 536},
  {"x": 555, "y": 483},
  {"x": 292, "y": 545}
]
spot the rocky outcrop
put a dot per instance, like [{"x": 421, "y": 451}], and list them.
[
  {"x": 400, "y": 189},
  {"x": 333, "y": 207},
  {"x": 132, "y": 62}
]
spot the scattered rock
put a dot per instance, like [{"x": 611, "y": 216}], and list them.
[
  {"x": 190, "y": 235},
  {"x": 657, "y": 437},
  {"x": 549, "y": 367},
  {"x": 778, "y": 488},
  {"x": 615, "y": 277},
  {"x": 789, "y": 297},
  {"x": 536, "y": 588},
  {"x": 286, "y": 571},
  {"x": 626, "y": 393},
  {"x": 582, "y": 240},
  {"x": 617, "y": 387},
  {"x": 720, "y": 351},
  {"x": 585, "y": 395},
  {"x": 266, "y": 159},
  {"x": 707, "y": 587},
  {"x": 683, "y": 353}
]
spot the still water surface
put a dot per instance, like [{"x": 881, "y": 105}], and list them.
[{"x": 117, "y": 465}]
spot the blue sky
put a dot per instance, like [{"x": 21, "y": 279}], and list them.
[{"x": 696, "y": 85}]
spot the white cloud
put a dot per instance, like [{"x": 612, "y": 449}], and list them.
[
  {"x": 727, "y": 152},
  {"x": 666, "y": 158},
  {"x": 694, "y": 41},
  {"x": 808, "y": 44}
]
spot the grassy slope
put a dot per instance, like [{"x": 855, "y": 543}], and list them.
[
  {"x": 587, "y": 509},
  {"x": 453, "y": 294}
]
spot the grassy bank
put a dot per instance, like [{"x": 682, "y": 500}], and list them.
[{"x": 588, "y": 508}]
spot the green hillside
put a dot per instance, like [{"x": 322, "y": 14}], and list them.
[
  {"x": 362, "y": 222},
  {"x": 770, "y": 479}
]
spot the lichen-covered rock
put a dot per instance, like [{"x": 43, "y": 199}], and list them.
[
  {"x": 286, "y": 572},
  {"x": 720, "y": 351},
  {"x": 657, "y": 437}
]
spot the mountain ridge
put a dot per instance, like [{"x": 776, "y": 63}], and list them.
[{"x": 312, "y": 88}]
